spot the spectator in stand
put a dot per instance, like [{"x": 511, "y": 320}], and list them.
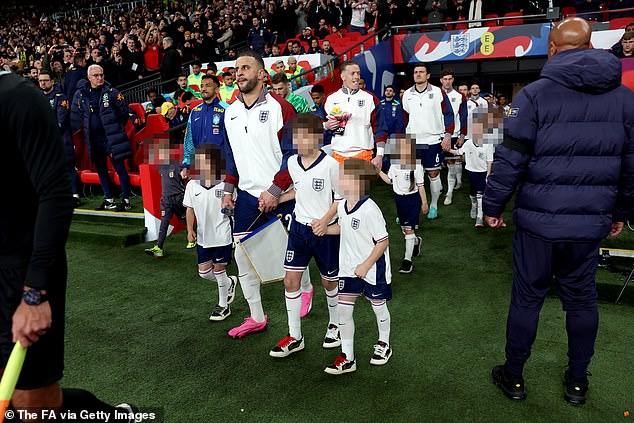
[
  {"x": 357, "y": 22},
  {"x": 282, "y": 87},
  {"x": 621, "y": 4},
  {"x": 258, "y": 36},
  {"x": 267, "y": 51},
  {"x": 151, "y": 95},
  {"x": 297, "y": 48},
  {"x": 152, "y": 51},
  {"x": 460, "y": 10},
  {"x": 589, "y": 6},
  {"x": 314, "y": 47},
  {"x": 75, "y": 73},
  {"x": 436, "y": 10},
  {"x": 335, "y": 31},
  {"x": 104, "y": 113},
  {"x": 323, "y": 30},
  {"x": 306, "y": 35},
  {"x": 228, "y": 91},
  {"x": 171, "y": 66},
  {"x": 302, "y": 14},
  {"x": 133, "y": 59},
  {"x": 226, "y": 35},
  {"x": 172, "y": 115},
  {"x": 617, "y": 49},
  {"x": 627, "y": 45},
  {"x": 327, "y": 48},
  {"x": 210, "y": 49},
  {"x": 478, "y": 9},
  {"x": 275, "y": 51}
]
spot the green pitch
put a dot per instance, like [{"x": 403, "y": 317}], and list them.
[{"x": 137, "y": 331}]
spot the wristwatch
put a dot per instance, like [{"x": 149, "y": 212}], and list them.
[{"x": 34, "y": 297}]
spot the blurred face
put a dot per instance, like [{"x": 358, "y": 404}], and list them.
[
  {"x": 389, "y": 93},
  {"x": 503, "y": 101},
  {"x": 67, "y": 56},
  {"x": 256, "y": 22},
  {"x": 171, "y": 113},
  {"x": 34, "y": 73},
  {"x": 351, "y": 76},
  {"x": 57, "y": 67},
  {"x": 94, "y": 55},
  {"x": 314, "y": 43},
  {"x": 115, "y": 52},
  {"x": 37, "y": 64},
  {"x": 280, "y": 68},
  {"x": 292, "y": 64},
  {"x": 420, "y": 75},
  {"x": 406, "y": 152},
  {"x": 318, "y": 98},
  {"x": 350, "y": 185},
  {"x": 326, "y": 45},
  {"x": 281, "y": 89},
  {"x": 475, "y": 90},
  {"x": 295, "y": 48},
  {"x": 130, "y": 44},
  {"x": 152, "y": 96},
  {"x": 182, "y": 82},
  {"x": 196, "y": 69},
  {"x": 447, "y": 82},
  {"x": 208, "y": 90},
  {"x": 307, "y": 142},
  {"x": 276, "y": 50},
  {"x": 464, "y": 90},
  {"x": 95, "y": 76},
  {"x": 46, "y": 83},
  {"x": 362, "y": 83}
]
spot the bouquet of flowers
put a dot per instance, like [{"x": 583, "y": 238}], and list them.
[{"x": 341, "y": 117}]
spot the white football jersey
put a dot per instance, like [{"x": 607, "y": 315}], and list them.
[
  {"x": 361, "y": 228},
  {"x": 426, "y": 114},
  {"x": 213, "y": 227},
  {"x": 455, "y": 98},
  {"x": 401, "y": 179},
  {"x": 476, "y": 157},
  {"x": 471, "y": 106},
  {"x": 314, "y": 187}
]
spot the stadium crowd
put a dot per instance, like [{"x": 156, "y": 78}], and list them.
[{"x": 130, "y": 44}]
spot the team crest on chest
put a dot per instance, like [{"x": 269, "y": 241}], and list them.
[
  {"x": 431, "y": 96},
  {"x": 318, "y": 184},
  {"x": 264, "y": 116},
  {"x": 216, "y": 119},
  {"x": 361, "y": 103},
  {"x": 219, "y": 193},
  {"x": 355, "y": 223},
  {"x": 106, "y": 100},
  {"x": 290, "y": 255}
]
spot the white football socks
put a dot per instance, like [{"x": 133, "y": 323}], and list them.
[
  {"x": 382, "y": 320},
  {"x": 293, "y": 309},
  {"x": 346, "y": 328},
  {"x": 451, "y": 179},
  {"x": 250, "y": 285},
  {"x": 332, "y": 300},
  {"x": 410, "y": 243},
  {"x": 479, "y": 203},
  {"x": 435, "y": 186},
  {"x": 306, "y": 285},
  {"x": 223, "y": 287}
]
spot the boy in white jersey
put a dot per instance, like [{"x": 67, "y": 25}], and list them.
[
  {"x": 203, "y": 198},
  {"x": 364, "y": 263},
  {"x": 314, "y": 175},
  {"x": 407, "y": 178},
  {"x": 478, "y": 153}
]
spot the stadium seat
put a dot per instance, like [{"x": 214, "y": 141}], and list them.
[
  {"x": 195, "y": 103},
  {"x": 508, "y": 22},
  {"x": 569, "y": 11},
  {"x": 138, "y": 109},
  {"x": 461, "y": 26},
  {"x": 491, "y": 23},
  {"x": 306, "y": 65},
  {"x": 620, "y": 23}
]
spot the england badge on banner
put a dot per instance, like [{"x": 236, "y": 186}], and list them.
[{"x": 460, "y": 44}]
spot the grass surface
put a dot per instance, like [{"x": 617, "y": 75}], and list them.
[{"x": 137, "y": 331}]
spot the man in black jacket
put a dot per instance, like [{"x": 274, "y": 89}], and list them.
[
  {"x": 32, "y": 253},
  {"x": 171, "y": 66}
]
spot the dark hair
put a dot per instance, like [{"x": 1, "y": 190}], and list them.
[
  {"x": 45, "y": 72},
  {"x": 461, "y": 83},
  {"x": 226, "y": 74},
  {"x": 212, "y": 77},
  {"x": 363, "y": 170},
  {"x": 628, "y": 35},
  {"x": 212, "y": 66},
  {"x": 318, "y": 89},
  {"x": 214, "y": 153},
  {"x": 255, "y": 56},
  {"x": 187, "y": 95},
  {"x": 421, "y": 65},
  {"x": 279, "y": 77},
  {"x": 310, "y": 121},
  {"x": 347, "y": 63},
  {"x": 158, "y": 102},
  {"x": 151, "y": 90},
  {"x": 390, "y": 86},
  {"x": 197, "y": 63},
  {"x": 180, "y": 75},
  {"x": 447, "y": 72}
]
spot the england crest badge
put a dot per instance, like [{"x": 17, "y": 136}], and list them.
[
  {"x": 264, "y": 116},
  {"x": 460, "y": 44},
  {"x": 290, "y": 255},
  {"x": 318, "y": 184},
  {"x": 355, "y": 223},
  {"x": 361, "y": 103}
]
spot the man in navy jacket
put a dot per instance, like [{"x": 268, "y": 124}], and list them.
[
  {"x": 104, "y": 114},
  {"x": 569, "y": 145}
]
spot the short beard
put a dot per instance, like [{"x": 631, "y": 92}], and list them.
[{"x": 250, "y": 86}]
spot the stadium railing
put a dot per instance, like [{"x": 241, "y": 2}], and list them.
[{"x": 101, "y": 10}]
